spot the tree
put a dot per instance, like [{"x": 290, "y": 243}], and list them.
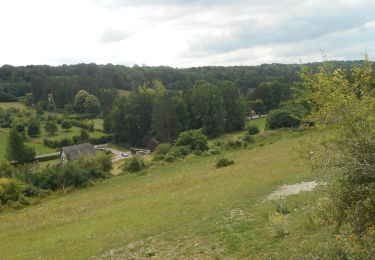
[
  {"x": 16, "y": 150},
  {"x": 29, "y": 99},
  {"x": 68, "y": 108},
  {"x": 39, "y": 108},
  {"x": 208, "y": 108},
  {"x": 233, "y": 105},
  {"x": 344, "y": 106},
  {"x": 33, "y": 127},
  {"x": 131, "y": 117},
  {"x": 66, "y": 124},
  {"x": 194, "y": 139},
  {"x": 79, "y": 100},
  {"x": 91, "y": 105},
  {"x": 84, "y": 135},
  {"x": 165, "y": 123},
  {"x": 51, "y": 127},
  {"x": 257, "y": 105},
  {"x": 280, "y": 118}
]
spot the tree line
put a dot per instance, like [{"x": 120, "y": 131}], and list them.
[
  {"x": 154, "y": 112},
  {"x": 266, "y": 85}
]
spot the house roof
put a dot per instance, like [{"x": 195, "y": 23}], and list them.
[{"x": 73, "y": 152}]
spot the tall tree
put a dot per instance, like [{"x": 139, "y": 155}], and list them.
[
  {"x": 233, "y": 105},
  {"x": 165, "y": 123},
  {"x": 91, "y": 105},
  {"x": 79, "y": 100},
  {"x": 51, "y": 127},
  {"x": 16, "y": 150},
  {"x": 208, "y": 108}
]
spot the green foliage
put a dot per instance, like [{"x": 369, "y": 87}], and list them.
[
  {"x": 91, "y": 105},
  {"x": 11, "y": 192},
  {"x": 66, "y": 124},
  {"x": 278, "y": 224},
  {"x": 33, "y": 127},
  {"x": 51, "y": 127},
  {"x": 131, "y": 117},
  {"x": 208, "y": 108},
  {"x": 165, "y": 123},
  {"x": 248, "y": 138},
  {"x": 344, "y": 105},
  {"x": 282, "y": 208},
  {"x": 280, "y": 118},
  {"x": 223, "y": 162},
  {"x": 39, "y": 108},
  {"x": 193, "y": 139},
  {"x": 84, "y": 136},
  {"x": 233, "y": 106},
  {"x": 252, "y": 129},
  {"x": 79, "y": 100},
  {"x": 29, "y": 99},
  {"x": 134, "y": 164},
  {"x": 16, "y": 150}
]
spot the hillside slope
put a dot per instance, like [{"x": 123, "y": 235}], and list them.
[{"x": 185, "y": 209}]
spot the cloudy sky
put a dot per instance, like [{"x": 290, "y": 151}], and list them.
[{"x": 182, "y": 33}]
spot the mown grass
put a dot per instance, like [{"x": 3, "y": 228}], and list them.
[
  {"x": 180, "y": 210},
  {"x": 17, "y": 105}
]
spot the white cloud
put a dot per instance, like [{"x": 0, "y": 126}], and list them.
[{"x": 183, "y": 33}]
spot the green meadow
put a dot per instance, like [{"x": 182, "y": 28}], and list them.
[{"x": 187, "y": 209}]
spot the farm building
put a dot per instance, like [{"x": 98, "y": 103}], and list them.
[{"x": 73, "y": 152}]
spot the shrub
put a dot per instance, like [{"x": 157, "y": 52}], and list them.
[
  {"x": 12, "y": 191},
  {"x": 161, "y": 151},
  {"x": 134, "y": 164},
  {"x": 253, "y": 130},
  {"x": 280, "y": 118},
  {"x": 66, "y": 124},
  {"x": 249, "y": 139},
  {"x": 180, "y": 151},
  {"x": 102, "y": 139},
  {"x": 170, "y": 158},
  {"x": 33, "y": 128},
  {"x": 223, "y": 162},
  {"x": 234, "y": 144},
  {"x": 214, "y": 152},
  {"x": 194, "y": 139}
]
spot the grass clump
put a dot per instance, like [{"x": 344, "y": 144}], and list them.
[
  {"x": 278, "y": 225},
  {"x": 282, "y": 208},
  {"x": 134, "y": 164},
  {"x": 223, "y": 162}
]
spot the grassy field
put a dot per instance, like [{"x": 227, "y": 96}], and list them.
[
  {"x": 37, "y": 142},
  {"x": 17, "y": 105},
  {"x": 187, "y": 209},
  {"x": 123, "y": 92}
]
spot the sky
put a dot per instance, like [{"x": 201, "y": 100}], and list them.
[{"x": 181, "y": 33}]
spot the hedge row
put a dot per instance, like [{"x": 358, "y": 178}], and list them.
[{"x": 76, "y": 140}]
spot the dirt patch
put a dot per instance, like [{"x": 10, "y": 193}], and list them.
[{"x": 292, "y": 189}]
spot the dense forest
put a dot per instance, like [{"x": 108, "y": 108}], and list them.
[{"x": 268, "y": 82}]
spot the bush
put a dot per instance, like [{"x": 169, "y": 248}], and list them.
[
  {"x": 249, "y": 139},
  {"x": 194, "y": 139},
  {"x": 161, "y": 151},
  {"x": 12, "y": 191},
  {"x": 214, "y": 152},
  {"x": 223, "y": 162},
  {"x": 134, "y": 164},
  {"x": 280, "y": 118},
  {"x": 234, "y": 144},
  {"x": 252, "y": 130},
  {"x": 33, "y": 128},
  {"x": 102, "y": 139},
  {"x": 66, "y": 124},
  {"x": 180, "y": 151}
]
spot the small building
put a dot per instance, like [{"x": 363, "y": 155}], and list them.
[
  {"x": 139, "y": 151},
  {"x": 73, "y": 152}
]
